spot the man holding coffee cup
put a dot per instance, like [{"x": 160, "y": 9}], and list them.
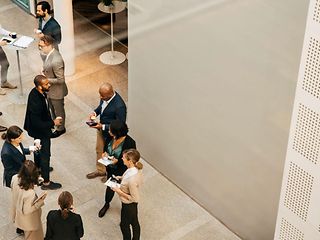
[
  {"x": 4, "y": 63},
  {"x": 53, "y": 69},
  {"x": 39, "y": 124}
]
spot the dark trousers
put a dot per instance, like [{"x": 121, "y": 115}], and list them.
[
  {"x": 129, "y": 216},
  {"x": 117, "y": 172},
  {"x": 4, "y": 66},
  {"x": 42, "y": 158}
]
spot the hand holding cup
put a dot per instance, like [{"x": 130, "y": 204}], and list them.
[{"x": 57, "y": 121}]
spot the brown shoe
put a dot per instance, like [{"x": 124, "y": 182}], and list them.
[
  {"x": 8, "y": 85},
  {"x": 104, "y": 179},
  {"x": 95, "y": 174}
]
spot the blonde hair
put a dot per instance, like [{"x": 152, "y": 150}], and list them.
[{"x": 134, "y": 156}]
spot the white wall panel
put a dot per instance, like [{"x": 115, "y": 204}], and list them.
[
  {"x": 299, "y": 211},
  {"x": 211, "y": 90}
]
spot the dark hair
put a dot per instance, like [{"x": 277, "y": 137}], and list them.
[
  {"x": 45, "y": 6},
  {"x": 118, "y": 128},
  {"x": 38, "y": 79},
  {"x": 47, "y": 39},
  {"x": 65, "y": 202},
  {"x": 134, "y": 156},
  {"x": 13, "y": 132},
  {"x": 28, "y": 175}
]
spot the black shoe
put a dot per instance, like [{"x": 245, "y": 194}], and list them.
[
  {"x": 3, "y": 129},
  {"x": 57, "y": 133},
  {"x": 50, "y": 169},
  {"x": 51, "y": 186},
  {"x": 19, "y": 231},
  {"x": 103, "y": 210}
]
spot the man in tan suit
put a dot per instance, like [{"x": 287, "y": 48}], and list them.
[{"x": 53, "y": 69}]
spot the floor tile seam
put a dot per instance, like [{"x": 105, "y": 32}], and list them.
[
  {"x": 7, "y": 7},
  {"x": 188, "y": 227}
]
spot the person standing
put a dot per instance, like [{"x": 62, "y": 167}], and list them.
[
  {"x": 47, "y": 24},
  {"x": 4, "y": 63},
  {"x": 111, "y": 107},
  {"x": 39, "y": 124},
  {"x": 13, "y": 154},
  {"x": 26, "y": 206},
  {"x": 64, "y": 223},
  {"x": 120, "y": 142},
  {"x": 129, "y": 194},
  {"x": 53, "y": 69}
]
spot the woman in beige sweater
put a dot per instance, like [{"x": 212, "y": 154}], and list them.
[
  {"x": 26, "y": 206},
  {"x": 129, "y": 194}
]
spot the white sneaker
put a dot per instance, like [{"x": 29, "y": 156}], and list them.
[{"x": 2, "y": 91}]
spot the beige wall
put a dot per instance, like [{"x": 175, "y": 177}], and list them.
[{"x": 211, "y": 89}]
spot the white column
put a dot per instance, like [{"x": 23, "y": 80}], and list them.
[{"x": 64, "y": 15}]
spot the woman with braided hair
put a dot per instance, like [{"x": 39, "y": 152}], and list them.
[{"x": 64, "y": 223}]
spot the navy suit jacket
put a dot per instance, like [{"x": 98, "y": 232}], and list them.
[
  {"x": 38, "y": 121},
  {"x": 115, "y": 110},
  {"x": 51, "y": 28},
  {"x": 12, "y": 160}
]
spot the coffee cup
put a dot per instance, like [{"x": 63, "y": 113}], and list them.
[
  {"x": 37, "y": 142},
  {"x": 38, "y": 31},
  {"x": 13, "y": 35}
]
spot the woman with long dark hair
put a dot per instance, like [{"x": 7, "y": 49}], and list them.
[
  {"x": 64, "y": 223},
  {"x": 121, "y": 141},
  {"x": 26, "y": 205}
]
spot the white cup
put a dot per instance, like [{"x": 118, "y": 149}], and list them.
[
  {"x": 38, "y": 31},
  {"x": 37, "y": 142}
]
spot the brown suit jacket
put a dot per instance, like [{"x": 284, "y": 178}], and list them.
[
  {"x": 53, "y": 69},
  {"x": 25, "y": 214}
]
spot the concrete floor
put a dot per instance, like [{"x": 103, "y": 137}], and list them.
[{"x": 165, "y": 212}]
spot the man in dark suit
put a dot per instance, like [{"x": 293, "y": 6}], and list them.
[
  {"x": 53, "y": 69},
  {"x": 47, "y": 24},
  {"x": 111, "y": 107},
  {"x": 38, "y": 123}
]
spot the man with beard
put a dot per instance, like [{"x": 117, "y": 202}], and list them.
[
  {"x": 53, "y": 69},
  {"x": 38, "y": 123},
  {"x": 47, "y": 24}
]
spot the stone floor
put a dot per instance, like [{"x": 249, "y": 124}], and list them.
[{"x": 165, "y": 212}]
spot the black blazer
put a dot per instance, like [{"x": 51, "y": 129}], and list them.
[
  {"x": 120, "y": 167},
  {"x": 116, "y": 109},
  {"x": 58, "y": 228},
  {"x": 38, "y": 122},
  {"x": 51, "y": 28},
  {"x": 12, "y": 160}
]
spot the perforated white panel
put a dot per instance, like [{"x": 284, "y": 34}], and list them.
[
  {"x": 289, "y": 232},
  {"x": 299, "y": 206}
]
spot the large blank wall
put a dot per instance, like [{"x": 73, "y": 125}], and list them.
[{"x": 211, "y": 90}]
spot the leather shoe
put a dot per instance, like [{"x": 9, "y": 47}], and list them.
[
  {"x": 8, "y": 85},
  {"x": 19, "y": 231},
  {"x": 57, "y": 133},
  {"x": 51, "y": 186},
  {"x": 3, "y": 129},
  {"x": 95, "y": 174},
  {"x": 103, "y": 210}
]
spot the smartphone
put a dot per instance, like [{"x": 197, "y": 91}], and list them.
[{"x": 91, "y": 123}]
